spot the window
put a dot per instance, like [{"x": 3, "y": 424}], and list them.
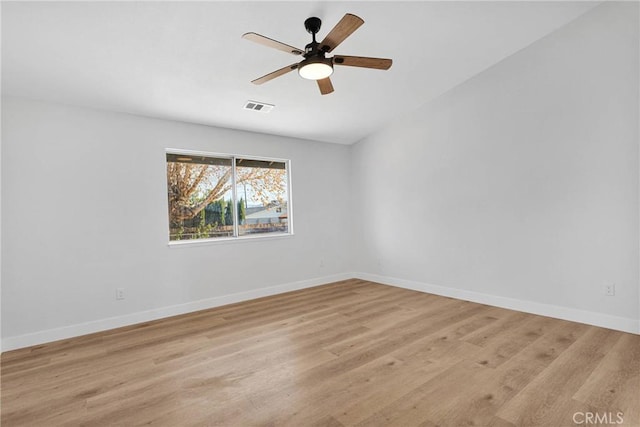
[{"x": 219, "y": 196}]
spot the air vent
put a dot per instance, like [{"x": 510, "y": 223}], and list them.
[{"x": 258, "y": 106}]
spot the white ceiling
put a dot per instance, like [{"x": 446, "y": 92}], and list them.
[{"x": 187, "y": 61}]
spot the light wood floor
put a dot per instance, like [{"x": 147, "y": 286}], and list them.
[{"x": 348, "y": 353}]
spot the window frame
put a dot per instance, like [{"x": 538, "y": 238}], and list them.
[{"x": 236, "y": 236}]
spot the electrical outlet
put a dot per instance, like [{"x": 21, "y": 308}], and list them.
[
  {"x": 609, "y": 289},
  {"x": 120, "y": 293}
]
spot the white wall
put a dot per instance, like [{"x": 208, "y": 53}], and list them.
[
  {"x": 0, "y": 220},
  {"x": 84, "y": 212},
  {"x": 519, "y": 187}
]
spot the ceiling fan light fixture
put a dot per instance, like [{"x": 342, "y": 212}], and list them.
[{"x": 315, "y": 68}]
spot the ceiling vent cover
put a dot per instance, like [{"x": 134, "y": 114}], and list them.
[{"x": 258, "y": 106}]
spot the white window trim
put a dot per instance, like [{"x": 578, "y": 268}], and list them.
[{"x": 236, "y": 237}]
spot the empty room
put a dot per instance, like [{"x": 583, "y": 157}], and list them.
[{"x": 312, "y": 213}]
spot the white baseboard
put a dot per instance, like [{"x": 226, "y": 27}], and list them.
[
  {"x": 590, "y": 318},
  {"x": 49, "y": 335},
  {"x": 623, "y": 324}
]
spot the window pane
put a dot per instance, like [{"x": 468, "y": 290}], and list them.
[
  {"x": 262, "y": 195},
  {"x": 200, "y": 197}
]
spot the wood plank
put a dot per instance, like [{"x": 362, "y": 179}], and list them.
[
  {"x": 547, "y": 399},
  {"x": 503, "y": 346},
  {"x": 613, "y": 386}
]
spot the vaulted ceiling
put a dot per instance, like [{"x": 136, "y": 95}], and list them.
[{"x": 187, "y": 61}]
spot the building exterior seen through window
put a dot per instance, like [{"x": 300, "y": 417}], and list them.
[{"x": 218, "y": 196}]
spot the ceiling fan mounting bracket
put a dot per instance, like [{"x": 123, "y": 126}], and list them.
[{"x": 313, "y": 25}]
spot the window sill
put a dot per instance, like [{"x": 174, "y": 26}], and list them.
[{"x": 225, "y": 240}]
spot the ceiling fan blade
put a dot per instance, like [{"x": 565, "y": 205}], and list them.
[
  {"x": 325, "y": 86},
  {"x": 362, "y": 61},
  {"x": 266, "y": 41},
  {"x": 343, "y": 29},
  {"x": 274, "y": 74}
]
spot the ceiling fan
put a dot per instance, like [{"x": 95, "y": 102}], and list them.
[{"x": 315, "y": 65}]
